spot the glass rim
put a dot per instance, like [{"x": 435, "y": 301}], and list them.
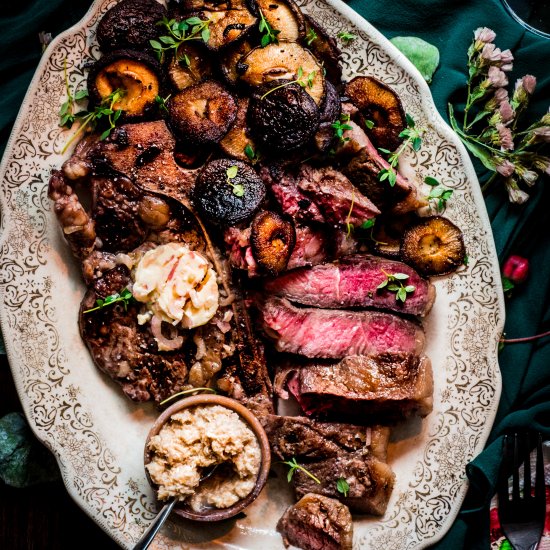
[{"x": 523, "y": 23}]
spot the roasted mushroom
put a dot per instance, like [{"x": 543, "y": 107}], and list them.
[
  {"x": 229, "y": 58},
  {"x": 129, "y": 24},
  {"x": 284, "y": 61},
  {"x": 386, "y": 234},
  {"x": 228, "y": 191},
  {"x": 135, "y": 73},
  {"x": 228, "y": 26},
  {"x": 433, "y": 246},
  {"x": 189, "y": 66},
  {"x": 282, "y": 116},
  {"x": 324, "y": 48},
  {"x": 381, "y": 105},
  {"x": 284, "y": 16},
  {"x": 237, "y": 143},
  {"x": 202, "y": 113},
  {"x": 272, "y": 239},
  {"x": 332, "y": 106}
]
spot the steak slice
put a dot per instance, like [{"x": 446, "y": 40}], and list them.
[
  {"x": 339, "y": 200},
  {"x": 353, "y": 282},
  {"x": 334, "y": 334},
  {"x": 387, "y": 387},
  {"x": 316, "y": 522}
]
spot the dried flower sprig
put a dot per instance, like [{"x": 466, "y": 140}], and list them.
[{"x": 489, "y": 124}]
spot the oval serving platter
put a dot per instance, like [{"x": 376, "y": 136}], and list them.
[{"x": 97, "y": 434}]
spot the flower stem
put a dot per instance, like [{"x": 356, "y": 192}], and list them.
[
  {"x": 487, "y": 185},
  {"x": 526, "y": 339}
]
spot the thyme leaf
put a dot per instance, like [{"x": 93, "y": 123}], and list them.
[
  {"x": 125, "y": 297},
  {"x": 269, "y": 33},
  {"x": 342, "y": 486},
  {"x": 394, "y": 282},
  {"x": 293, "y": 465}
]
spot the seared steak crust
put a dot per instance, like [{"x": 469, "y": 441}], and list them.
[{"x": 316, "y": 522}]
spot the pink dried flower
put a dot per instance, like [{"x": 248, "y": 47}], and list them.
[
  {"x": 497, "y": 77},
  {"x": 505, "y": 168},
  {"x": 505, "y": 138},
  {"x": 542, "y": 163},
  {"x": 490, "y": 53},
  {"x": 484, "y": 34},
  {"x": 506, "y": 59},
  {"x": 501, "y": 94},
  {"x": 524, "y": 88},
  {"x": 515, "y": 194},
  {"x": 529, "y": 177},
  {"x": 542, "y": 134},
  {"x": 506, "y": 111}
]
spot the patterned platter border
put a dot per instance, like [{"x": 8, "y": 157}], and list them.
[{"x": 97, "y": 436}]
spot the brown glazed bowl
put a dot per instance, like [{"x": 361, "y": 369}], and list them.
[{"x": 216, "y": 514}]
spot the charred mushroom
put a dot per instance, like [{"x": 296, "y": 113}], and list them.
[
  {"x": 202, "y": 113},
  {"x": 283, "y": 116},
  {"x": 284, "y": 16},
  {"x": 387, "y": 233},
  {"x": 272, "y": 239},
  {"x": 237, "y": 143},
  {"x": 189, "y": 66},
  {"x": 129, "y": 24},
  {"x": 135, "y": 73},
  {"x": 433, "y": 246},
  {"x": 229, "y": 59},
  {"x": 284, "y": 61},
  {"x": 228, "y": 191},
  {"x": 380, "y": 104},
  {"x": 228, "y": 26}
]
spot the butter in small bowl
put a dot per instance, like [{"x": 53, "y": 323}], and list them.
[{"x": 200, "y": 433}]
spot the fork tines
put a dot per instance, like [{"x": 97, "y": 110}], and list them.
[{"x": 522, "y": 516}]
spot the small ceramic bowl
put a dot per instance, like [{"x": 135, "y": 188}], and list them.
[{"x": 216, "y": 514}]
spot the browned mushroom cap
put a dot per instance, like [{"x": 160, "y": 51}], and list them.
[
  {"x": 324, "y": 48},
  {"x": 380, "y": 104},
  {"x": 387, "y": 233},
  {"x": 237, "y": 143},
  {"x": 135, "y": 73},
  {"x": 202, "y": 113},
  {"x": 229, "y": 58},
  {"x": 284, "y": 16},
  {"x": 433, "y": 246},
  {"x": 283, "y": 61},
  {"x": 272, "y": 239},
  {"x": 129, "y": 24},
  {"x": 189, "y": 66}
]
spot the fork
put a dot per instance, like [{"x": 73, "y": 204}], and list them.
[{"x": 521, "y": 517}]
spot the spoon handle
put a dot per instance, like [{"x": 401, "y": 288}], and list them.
[{"x": 149, "y": 535}]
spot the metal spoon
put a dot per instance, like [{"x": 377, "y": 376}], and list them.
[{"x": 147, "y": 537}]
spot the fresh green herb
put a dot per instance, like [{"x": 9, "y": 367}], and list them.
[
  {"x": 413, "y": 136},
  {"x": 423, "y": 55},
  {"x": 394, "y": 283},
  {"x": 67, "y": 113},
  {"x": 340, "y": 126},
  {"x": 161, "y": 102},
  {"x": 307, "y": 83},
  {"x": 466, "y": 260},
  {"x": 293, "y": 465},
  {"x": 438, "y": 193},
  {"x": 368, "y": 123},
  {"x": 368, "y": 224},
  {"x": 179, "y": 32},
  {"x": 191, "y": 391},
  {"x": 349, "y": 225},
  {"x": 342, "y": 486},
  {"x": 346, "y": 36},
  {"x": 311, "y": 36},
  {"x": 507, "y": 284},
  {"x": 125, "y": 297},
  {"x": 238, "y": 188},
  {"x": 250, "y": 153},
  {"x": 270, "y": 34},
  {"x": 105, "y": 110}
]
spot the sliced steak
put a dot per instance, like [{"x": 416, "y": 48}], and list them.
[
  {"x": 339, "y": 200},
  {"x": 310, "y": 248},
  {"x": 317, "y": 522},
  {"x": 353, "y": 282},
  {"x": 387, "y": 387},
  {"x": 334, "y": 334}
]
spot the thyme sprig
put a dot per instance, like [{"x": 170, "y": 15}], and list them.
[
  {"x": 293, "y": 465},
  {"x": 394, "y": 283},
  {"x": 340, "y": 126},
  {"x": 269, "y": 33},
  {"x": 304, "y": 83},
  {"x": 238, "y": 188},
  {"x": 161, "y": 102},
  {"x": 67, "y": 113},
  {"x": 311, "y": 36},
  {"x": 125, "y": 297},
  {"x": 438, "y": 194},
  {"x": 413, "y": 137},
  {"x": 179, "y": 32},
  {"x": 346, "y": 36},
  {"x": 342, "y": 486}
]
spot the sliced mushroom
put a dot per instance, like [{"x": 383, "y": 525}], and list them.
[
  {"x": 190, "y": 65},
  {"x": 286, "y": 61},
  {"x": 324, "y": 48},
  {"x": 135, "y": 73},
  {"x": 202, "y": 113},
  {"x": 129, "y": 24},
  {"x": 228, "y": 26},
  {"x": 272, "y": 239},
  {"x": 433, "y": 246},
  {"x": 284, "y": 16},
  {"x": 228, "y": 191},
  {"x": 230, "y": 57},
  {"x": 387, "y": 234},
  {"x": 237, "y": 143},
  {"x": 378, "y": 103},
  {"x": 283, "y": 117}
]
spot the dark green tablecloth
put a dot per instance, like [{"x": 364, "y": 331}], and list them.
[{"x": 525, "y": 230}]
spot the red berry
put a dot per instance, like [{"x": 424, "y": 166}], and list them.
[{"x": 516, "y": 269}]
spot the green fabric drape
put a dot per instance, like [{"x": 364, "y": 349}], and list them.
[{"x": 448, "y": 24}]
